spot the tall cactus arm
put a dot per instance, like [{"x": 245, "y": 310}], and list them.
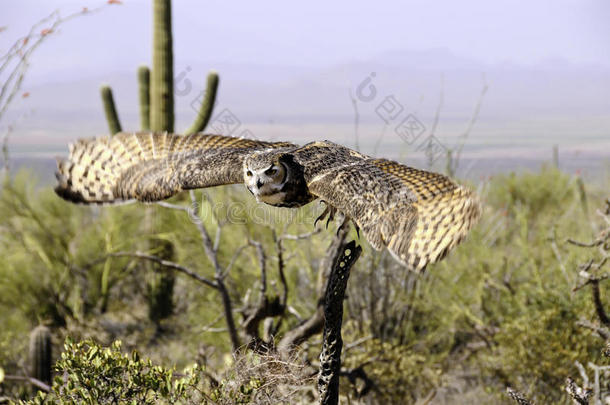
[
  {"x": 144, "y": 96},
  {"x": 112, "y": 117},
  {"x": 207, "y": 105}
]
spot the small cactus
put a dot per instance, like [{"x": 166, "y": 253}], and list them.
[
  {"x": 40, "y": 354},
  {"x": 112, "y": 117}
]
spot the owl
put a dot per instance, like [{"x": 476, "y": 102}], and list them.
[{"x": 417, "y": 215}]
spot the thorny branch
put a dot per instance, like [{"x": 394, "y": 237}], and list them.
[
  {"x": 16, "y": 62},
  {"x": 473, "y": 120},
  {"x": 212, "y": 255},
  {"x": 455, "y": 153},
  {"x": 168, "y": 264},
  {"x": 589, "y": 272},
  {"x": 315, "y": 323},
  {"x": 269, "y": 306},
  {"x": 211, "y": 250},
  {"x": 266, "y": 307}
]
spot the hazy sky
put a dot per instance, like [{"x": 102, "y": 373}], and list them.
[
  {"x": 315, "y": 33},
  {"x": 286, "y": 69}
]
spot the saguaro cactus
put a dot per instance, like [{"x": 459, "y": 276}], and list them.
[
  {"x": 40, "y": 354},
  {"x": 162, "y": 78},
  {"x": 156, "y": 86}
]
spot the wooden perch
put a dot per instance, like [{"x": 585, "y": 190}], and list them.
[
  {"x": 579, "y": 395},
  {"x": 330, "y": 358},
  {"x": 517, "y": 396}
]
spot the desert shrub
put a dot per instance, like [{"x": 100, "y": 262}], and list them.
[
  {"x": 538, "y": 192},
  {"x": 91, "y": 374},
  {"x": 498, "y": 310}
]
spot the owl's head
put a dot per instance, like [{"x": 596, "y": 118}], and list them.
[{"x": 265, "y": 175}]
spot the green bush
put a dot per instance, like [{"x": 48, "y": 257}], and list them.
[{"x": 91, "y": 374}]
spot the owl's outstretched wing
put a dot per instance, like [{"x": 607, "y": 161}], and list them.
[
  {"x": 151, "y": 166},
  {"x": 418, "y": 215}
]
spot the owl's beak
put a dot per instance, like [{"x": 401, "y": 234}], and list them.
[
  {"x": 257, "y": 195},
  {"x": 255, "y": 192}
]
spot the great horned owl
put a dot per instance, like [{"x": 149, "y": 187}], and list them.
[{"x": 419, "y": 216}]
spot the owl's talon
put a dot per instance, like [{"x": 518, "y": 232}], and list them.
[
  {"x": 331, "y": 215},
  {"x": 322, "y": 215},
  {"x": 328, "y": 214},
  {"x": 344, "y": 222}
]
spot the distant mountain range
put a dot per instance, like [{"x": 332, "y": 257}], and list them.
[{"x": 525, "y": 110}]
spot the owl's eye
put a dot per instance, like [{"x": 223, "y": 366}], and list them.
[
  {"x": 271, "y": 171},
  {"x": 249, "y": 173}
]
